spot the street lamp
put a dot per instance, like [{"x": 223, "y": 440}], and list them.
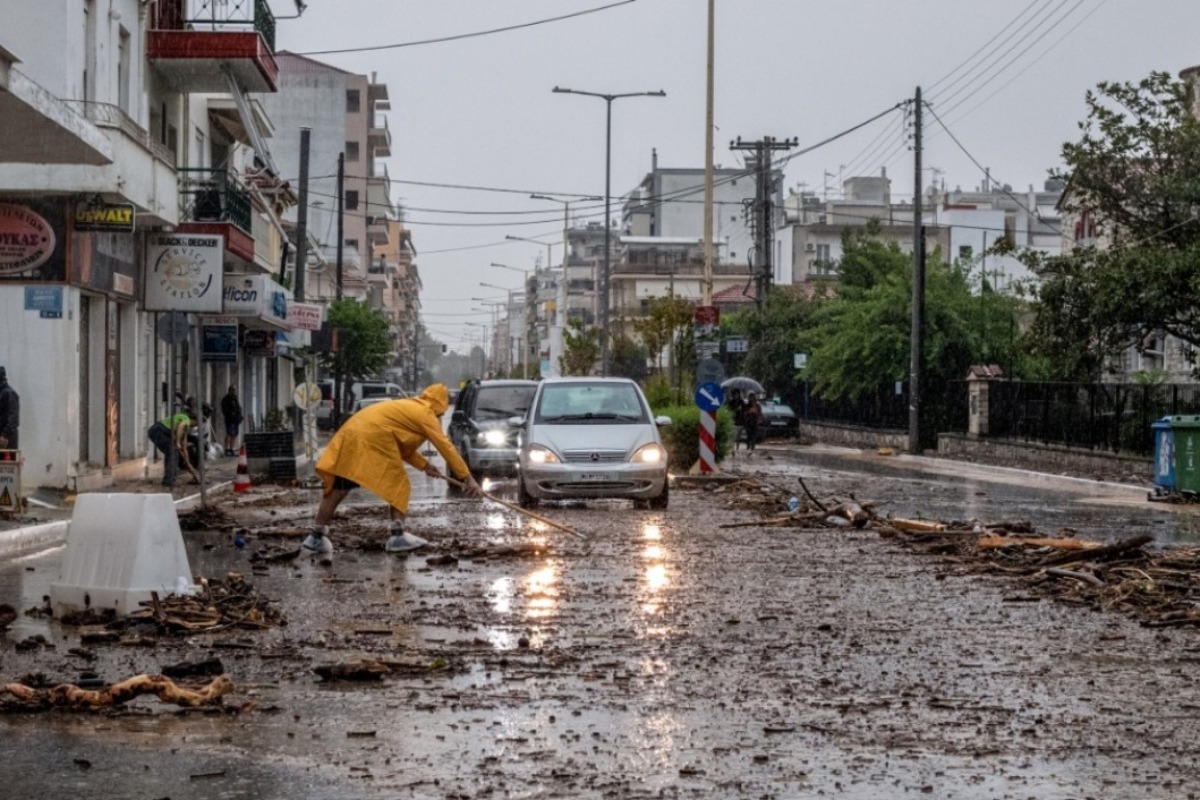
[
  {"x": 608, "y": 101},
  {"x": 531, "y": 241}
]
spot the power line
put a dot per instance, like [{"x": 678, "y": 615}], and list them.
[
  {"x": 982, "y": 47},
  {"x": 457, "y": 37}
]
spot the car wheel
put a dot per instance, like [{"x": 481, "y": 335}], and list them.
[
  {"x": 661, "y": 501},
  {"x": 524, "y": 498}
]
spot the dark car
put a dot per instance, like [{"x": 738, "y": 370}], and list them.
[
  {"x": 479, "y": 426},
  {"x": 778, "y": 421}
]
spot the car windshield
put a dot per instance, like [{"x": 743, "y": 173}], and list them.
[
  {"x": 502, "y": 402},
  {"x": 591, "y": 402}
]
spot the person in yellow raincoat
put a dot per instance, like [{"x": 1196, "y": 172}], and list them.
[{"x": 371, "y": 449}]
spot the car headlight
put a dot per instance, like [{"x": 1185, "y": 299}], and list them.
[
  {"x": 650, "y": 454},
  {"x": 541, "y": 455},
  {"x": 494, "y": 437}
]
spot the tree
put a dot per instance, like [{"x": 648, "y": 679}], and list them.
[
  {"x": 364, "y": 343},
  {"x": 628, "y": 359},
  {"x": 773, "y": 337},
  {"x": 860, "y": 337},
  {"x": 1135, "y": 172},
  {"x": 581, "y": 348}
]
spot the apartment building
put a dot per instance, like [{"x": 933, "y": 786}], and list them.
[
  {"x": 135, "y": 180},
  {"x": 346, "y": 115}
]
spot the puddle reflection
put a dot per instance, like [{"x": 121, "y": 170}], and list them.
[
  {"x": 533, "y": 597},
  {"x": 656, "y": 578}
]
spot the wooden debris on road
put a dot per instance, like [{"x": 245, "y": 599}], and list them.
[{"x": 75, "y": 698}]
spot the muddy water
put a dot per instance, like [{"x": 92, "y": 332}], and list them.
[{"x": 667, "y": 657}]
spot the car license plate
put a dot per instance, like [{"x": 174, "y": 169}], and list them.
[{"x": 592, "y": 477}]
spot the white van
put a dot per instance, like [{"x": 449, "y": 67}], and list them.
[{"x": 358, "y": 391}]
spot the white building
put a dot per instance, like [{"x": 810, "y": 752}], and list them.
[{"x": 120, "y": 127}]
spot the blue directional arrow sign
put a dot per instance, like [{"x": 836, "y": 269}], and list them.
[{"x": 709, "y": 396}]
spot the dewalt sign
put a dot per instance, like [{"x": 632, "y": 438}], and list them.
[{"x": 111, "y": 218}]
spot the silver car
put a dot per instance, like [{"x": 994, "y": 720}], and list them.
[{"x": 592, "y": 438}]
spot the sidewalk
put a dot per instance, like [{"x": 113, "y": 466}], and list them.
[{"x": 43, "y": 524}]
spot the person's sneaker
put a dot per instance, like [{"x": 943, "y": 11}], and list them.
[
  {"x": 401, "y": 542},
  {"x": 318, "y": 541}
]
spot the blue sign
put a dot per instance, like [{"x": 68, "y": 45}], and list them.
[
  {"x": 46, "y": 299},
  {"x": 709, "y": 396}
]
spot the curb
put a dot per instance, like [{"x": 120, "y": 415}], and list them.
[{"x": 31, "y": 539}]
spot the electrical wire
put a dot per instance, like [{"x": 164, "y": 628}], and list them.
[
  {"x": 984, "y": 170},
  {"x": 965, "y": 61},
  {"x": 460, "y": 36}
]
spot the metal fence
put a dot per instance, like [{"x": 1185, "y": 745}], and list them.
[{"x": 1096, "y": 416}]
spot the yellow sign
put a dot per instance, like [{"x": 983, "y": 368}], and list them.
[{"x": 104, "y": 217}]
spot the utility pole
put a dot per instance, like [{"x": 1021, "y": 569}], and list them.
[
  {"x": 341, "y": 199},
  {"x": 707, "y": 289},
  {"x": 302, "y": 218},
  {"x": 761, "y": 210},
  {"x": 917, "y": 342}
]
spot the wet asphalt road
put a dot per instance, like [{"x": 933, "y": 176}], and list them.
[{"x": 667, "y": 657}]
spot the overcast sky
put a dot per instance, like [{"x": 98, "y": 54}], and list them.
[{"x": 1007, "y": 77}]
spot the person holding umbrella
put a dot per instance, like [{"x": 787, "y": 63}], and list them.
[{"x": 751, "y": 417}]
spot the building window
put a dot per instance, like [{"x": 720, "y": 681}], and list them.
[
  {"x": 353, "y": 101},
  {"x": 965, "y": 252},
  {"x": 351, "y": 199},
  {"x": 352, "y": 151},
  {"x": 352, "y": 244}
]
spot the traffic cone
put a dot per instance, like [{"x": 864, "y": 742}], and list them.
[{"x": 241, "y": 481}]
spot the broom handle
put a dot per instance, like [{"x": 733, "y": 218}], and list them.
[{"x": 518, "y": 509}]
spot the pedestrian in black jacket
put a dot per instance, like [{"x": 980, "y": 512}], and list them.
[
  {"x": 231, "y": 409},
  {"x": 10, "y": 414}
]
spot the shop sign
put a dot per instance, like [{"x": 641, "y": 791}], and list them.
[
  {"x": 306, "y": 316},
  {"x": 219, "y": 343},
  {"x": 259, "y": 343},
  {"x": 106, "y": 217},
  {"x": 26, "y": 239},
  {"x": 255, "y": 296},
  {"x": 183, "y": 272},
  {"x": 46, "y": 299}
]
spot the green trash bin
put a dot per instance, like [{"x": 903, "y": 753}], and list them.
[{"x": 1187, "y": 453}]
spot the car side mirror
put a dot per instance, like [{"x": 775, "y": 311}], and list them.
[
  {"x": 516, "y": 422},
  {"x": 662, "y": 421},
  {"x": 457, "y": 416}
]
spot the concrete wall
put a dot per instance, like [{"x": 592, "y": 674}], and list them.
[{"x": 48, "y": 386}]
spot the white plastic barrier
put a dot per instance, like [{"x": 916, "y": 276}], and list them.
[{"x": 120, "y": 548}]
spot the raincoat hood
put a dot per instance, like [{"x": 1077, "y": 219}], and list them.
[{"x": 437, "y": 397}]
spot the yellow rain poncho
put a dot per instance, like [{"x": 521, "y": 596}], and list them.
[{"x": 373, "y": 445}]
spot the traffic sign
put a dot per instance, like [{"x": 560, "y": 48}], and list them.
[
  {"x": 709, "y": 396},
  {"x": 307, "y": 396},
  {"x": 710, "y": 370},
  {"x": 173, "y": 327}
]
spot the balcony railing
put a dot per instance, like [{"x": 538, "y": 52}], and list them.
[
  {"x": 106, "y": 115},
  {"x": 213, "y": 195},
  {"x": 215, "y": 15}
]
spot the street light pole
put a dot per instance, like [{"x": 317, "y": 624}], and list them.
[{"x": 604, "y": 278}]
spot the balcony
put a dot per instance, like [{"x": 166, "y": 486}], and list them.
[
  {"x": 212, "y": 201},
  {"x": 39, "y": 128},
  {"x": 195, "y": 43},
  {"x": 379, "y": 138}
]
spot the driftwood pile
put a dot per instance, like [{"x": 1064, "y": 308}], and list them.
[
  {"x": 219, "y": 605},
  {"x": 809, "y": 512},
  {"x": 1159, "y": 588}
]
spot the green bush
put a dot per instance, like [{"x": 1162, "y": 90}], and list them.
[
  {"x": 682, "y": 436},
  {"x": 658, "y": 392}
]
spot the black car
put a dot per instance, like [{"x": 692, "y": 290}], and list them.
[
  {"x": 479, "y": 425},
  {"x": 778, "y": 421}
]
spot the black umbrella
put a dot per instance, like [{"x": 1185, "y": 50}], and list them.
[{"x": 743, "y": 383}]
